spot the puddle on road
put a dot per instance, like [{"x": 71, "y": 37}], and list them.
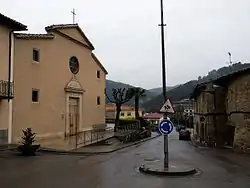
[{"x": 152, "y": 159}]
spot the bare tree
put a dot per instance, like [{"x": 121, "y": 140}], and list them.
[
  {"x": 120, "y": 96},
  {"x": 138, "y": 92}
]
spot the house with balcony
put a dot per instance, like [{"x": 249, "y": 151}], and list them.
[
  {"x": 51, "y": 82},
  {"x": 7, "y": 42}
]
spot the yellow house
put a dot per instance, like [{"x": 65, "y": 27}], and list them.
[
  {"x": 58, "y": 82},
  {"x": 127, "y": 112}
]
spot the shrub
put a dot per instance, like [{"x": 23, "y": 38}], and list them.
[{"x": 27, "y": 148}]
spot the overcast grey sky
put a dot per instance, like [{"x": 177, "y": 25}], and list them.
[{"x": 126, "y": 35}]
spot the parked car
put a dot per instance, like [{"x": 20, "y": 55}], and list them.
[{"x": 185, "y": 135}]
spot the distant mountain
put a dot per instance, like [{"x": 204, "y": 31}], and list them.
[
  {"x": 183, "y": 91},
  {"x": 112, "y": 84},
  {"x": 158, "y": 90},
  {"x": 180, "y": 92}
]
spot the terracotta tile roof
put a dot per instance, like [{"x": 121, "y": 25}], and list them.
[
  {"x": 33, "y": 36},
  {"x": 153, "y": 116},
  {"x": 13, "y": 24},
  {"x": 60, "y": 26},
  {"x": 65, "y": 26},
  {"x": 124, "y": 108},
  {"x": 99, "y": 63}
]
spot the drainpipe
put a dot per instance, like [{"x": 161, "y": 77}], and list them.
[{"x": 10, "y": 80}]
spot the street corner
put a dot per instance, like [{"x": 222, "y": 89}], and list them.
[{"x": 174, "y": 169}]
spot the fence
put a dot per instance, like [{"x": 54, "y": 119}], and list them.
[
  {"x": 128, "y": 127},
  {"x": 110, "y": 120},
  {"x": 4, "y": 88},
  {"x": 93, "y": 136}
]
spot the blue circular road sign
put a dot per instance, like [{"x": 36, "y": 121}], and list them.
[{"x": 166, "y": 126}]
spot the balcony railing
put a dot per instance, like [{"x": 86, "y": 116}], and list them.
[{"x": 4, "y": 87}]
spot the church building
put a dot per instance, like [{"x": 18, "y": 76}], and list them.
[{"x": 51, "y": 82}]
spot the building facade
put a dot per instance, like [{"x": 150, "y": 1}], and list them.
[
  {"x": 7, "y": 28},
  {"x": 222, "y": 111},
  {"x": 237, "y": 104},
  {"x": 127, "y": 112},
  {"x": 153, "y": 118},
  {"x": 209, "y": 113},
  {"x": 58, "y": 83},
  {"x": 187, "y": 105}
]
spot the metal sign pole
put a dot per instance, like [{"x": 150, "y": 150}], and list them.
[
  {"x": 165, "y": 128},
  {"x": 165, "y": 151},
  {"x": 162, "y": 25}
]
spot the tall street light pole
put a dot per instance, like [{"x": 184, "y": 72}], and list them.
[{"x": 164, "y": 91}]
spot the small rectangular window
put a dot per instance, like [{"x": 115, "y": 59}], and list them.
[
  {"x": 98, "y": 74},
  {"x": 98, "y": 101},
  {"x": 122, "y": 113},
  {"x": 35, "y": 95},
  {"x": 36, "y": 55},
  {"x": 129, "y": 113}
]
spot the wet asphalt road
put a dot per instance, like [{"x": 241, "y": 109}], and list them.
[{"x": 221, "y": 169}]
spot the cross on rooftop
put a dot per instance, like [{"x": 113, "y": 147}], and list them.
[{"x": 74, "y": 14}]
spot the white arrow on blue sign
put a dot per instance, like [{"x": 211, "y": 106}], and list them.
[{"x": 166, "y": 127}]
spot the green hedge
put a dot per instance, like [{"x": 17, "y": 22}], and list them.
[{"x": 125, "y": 122}]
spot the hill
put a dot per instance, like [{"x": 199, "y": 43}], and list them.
[
  {"x": 158, "y": 90},
  {"x": 183, "y": 91},
  {"x": 112, "y": 84},
  {"x": 223, "y": 71}
]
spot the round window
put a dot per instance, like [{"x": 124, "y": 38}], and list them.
[{"x": 74, "y": 65}]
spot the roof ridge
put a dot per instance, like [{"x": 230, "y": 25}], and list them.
[
  {"x": 57, "y": 26},
  {"x": 34, "y": 35},
  {"x": 65, "y": 26},
  {"x": 98, "y": 62},
  {"x": 11, "y": 22}
]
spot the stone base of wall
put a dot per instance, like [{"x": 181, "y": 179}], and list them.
[
  {"x": 62, "y": 142},
  {"x": 242, "y": 136},
  {"x": 242, "y": 145},
  {"x": 53, "y": 140}
]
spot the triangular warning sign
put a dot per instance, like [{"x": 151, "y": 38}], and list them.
[{"x": 167, "y": 107}]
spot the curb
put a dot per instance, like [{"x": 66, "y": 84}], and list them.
[
  {"x": 195, "y": 144},
  {"x": 8, "y": 149},
  {"x": 95, "y": 153},
  {"x": 146, "y": 170}
]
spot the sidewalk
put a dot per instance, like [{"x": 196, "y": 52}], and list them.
[
  {"x": 103, "y": 149},
  {"x": 227, "y": 155}
]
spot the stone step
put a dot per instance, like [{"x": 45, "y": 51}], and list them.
[{"x": 112, "y": 141}]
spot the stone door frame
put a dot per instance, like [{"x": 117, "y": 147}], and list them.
[
  {"x": 73, "y": 89},
  {"x": 80, "y": 111},
  {"x": 74, "y": 115}
]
